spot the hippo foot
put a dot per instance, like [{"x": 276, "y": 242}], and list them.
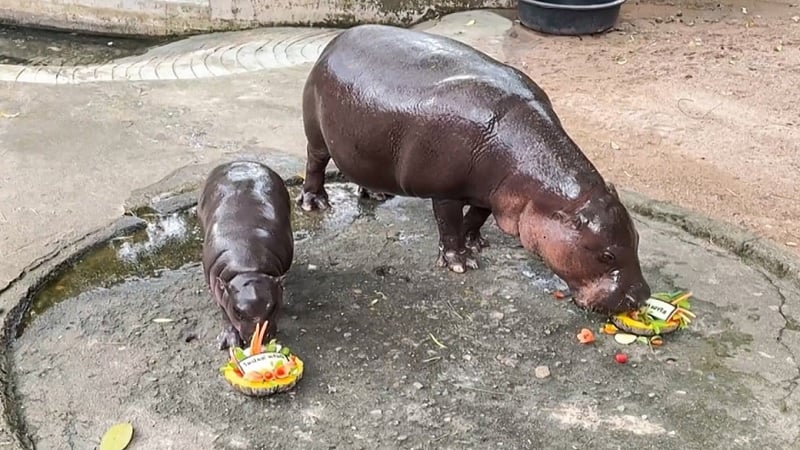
[
  {"x": 310, "y": 201},
  {"x": 372, "y": 195},
  {"x": 229, "y": 337},
  {"x": 476, "y": 242},
  {"x": 457, "y": 261}
]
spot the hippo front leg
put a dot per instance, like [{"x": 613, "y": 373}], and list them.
[
  {"x": 314, "y": 195},
  {"x": 453, "y": 252},
  {"x": 229, "y": 337},
  {"x": 473, "y": 221}
]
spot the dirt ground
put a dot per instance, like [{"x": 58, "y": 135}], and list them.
[
  {"x": 400, "y": 354},
  {"x": 694, "y": 103}
]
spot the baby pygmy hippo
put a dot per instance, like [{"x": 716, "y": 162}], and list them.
[{"x": 244, "y": 212}]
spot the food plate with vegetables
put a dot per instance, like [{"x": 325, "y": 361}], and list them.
[
  {"x": 663, "y": 313},
  {"x": 262, "y": 370}
]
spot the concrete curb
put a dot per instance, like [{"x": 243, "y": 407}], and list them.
[
  {"x": 190, "y": 59},
  {"x": 742, "y": 243},
  {"x": 20, "y": 292}
]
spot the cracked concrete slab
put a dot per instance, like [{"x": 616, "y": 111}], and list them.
[{"x": 727, "y": 382}]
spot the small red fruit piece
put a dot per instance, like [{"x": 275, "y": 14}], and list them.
[
  {"x": 267, "y": 376},
  {"x": 621, "y": 358},
  {"x": 585, "y": 336},
  {"x": 559, "y": 295},
  {"x": 280, "y": 372}
]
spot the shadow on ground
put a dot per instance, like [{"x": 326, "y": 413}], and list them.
[{"x": 400, "y": 354}]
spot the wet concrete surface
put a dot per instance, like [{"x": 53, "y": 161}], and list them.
[{"x": 400, "y": 354}]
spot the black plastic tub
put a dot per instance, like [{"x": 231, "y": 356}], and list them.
[{"x": 569, "y": 17}]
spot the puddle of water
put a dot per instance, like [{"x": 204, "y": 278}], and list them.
[
  {"x": 33, "y": 47},
  {"x": 544, "y": 280},
  {"x": 172, "y": 241}
]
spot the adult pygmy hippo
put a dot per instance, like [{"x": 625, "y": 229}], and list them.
[
  {"x": 244, "y": 211},
  {"x": 408, "y": 113}
]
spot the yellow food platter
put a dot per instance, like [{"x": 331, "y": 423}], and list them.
[{"x": 262, "y": 370}]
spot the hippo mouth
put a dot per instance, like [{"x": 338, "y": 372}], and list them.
[{"x": 605, "y": 302}]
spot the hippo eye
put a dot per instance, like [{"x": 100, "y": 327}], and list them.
[{"x": 607, "y": 257}]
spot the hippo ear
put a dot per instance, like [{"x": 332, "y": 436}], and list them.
[
  {"x": 575, "y": 221},
  {"x": 222, "y": 286},
  {"x": 612, "y": 189},
  {"x": 561, "y": 216}
]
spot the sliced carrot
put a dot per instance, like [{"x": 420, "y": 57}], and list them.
[
  {"x": 681, "y": 297},
  {"x": 609, "y": 328},
  {"x": 254, "y": 349},
  {"x": 261, "y": 335},
  {"x": 585, "y": 336}
]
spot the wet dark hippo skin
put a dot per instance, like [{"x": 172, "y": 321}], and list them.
[
  {"x": 404, "y": 112},
  {"x": 245, "y": 214}
]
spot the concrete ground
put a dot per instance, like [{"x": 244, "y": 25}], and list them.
[
  {"x": 74, "y": 157},
  {"x": 400, "y": 354}
]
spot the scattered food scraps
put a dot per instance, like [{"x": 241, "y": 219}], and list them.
[
  {"x": 559, "y": 295},
  {"x": 621, "y": 358},
  {"x": 625, "y": 338},
  {"x": 585, "y": 336},
  {"x": 609, "y": 328}
]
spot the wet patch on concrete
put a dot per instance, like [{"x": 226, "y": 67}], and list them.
[
  {"x": 367, "y": 310},
  {"x": 34, "y": 47}
]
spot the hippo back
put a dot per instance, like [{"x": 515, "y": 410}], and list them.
[{"x": 245, "y": 214}]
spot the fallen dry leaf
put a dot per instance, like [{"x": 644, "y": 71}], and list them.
[
  {"x": 117, "y": 437},
  {"x": 471, "y": 23}
]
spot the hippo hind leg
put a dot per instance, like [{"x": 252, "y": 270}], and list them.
[
  {"x": 314, "y": 195},
  {"x": 453, "y": 252},
  {"x": 473, "y": 221},
  {"x": 373, "y": 195}
]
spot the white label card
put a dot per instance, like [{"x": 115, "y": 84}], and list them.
[
  {"x": 659, "y": 309},
  {"x": 261, "y": 362}
]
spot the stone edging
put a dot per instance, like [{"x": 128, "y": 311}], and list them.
[
  {"x": 744, "y": 244},
  {"x": 274, "y": 48}
]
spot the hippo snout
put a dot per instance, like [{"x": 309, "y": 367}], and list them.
[
  {"x": 606, "y": 296},
  {"x": 638, "y": 294},
  {"x": 248, "y": 327}
]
